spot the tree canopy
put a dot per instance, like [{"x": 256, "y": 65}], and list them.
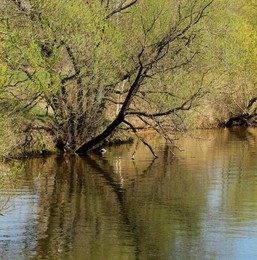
[{"x": 77, "y": 71}]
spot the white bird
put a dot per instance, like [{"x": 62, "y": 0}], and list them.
[{"x": 103, "y": 150}]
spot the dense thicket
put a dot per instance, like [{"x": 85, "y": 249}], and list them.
[
  {"x": 232, "y": 46},
  {"x": 73, "y": 72}
]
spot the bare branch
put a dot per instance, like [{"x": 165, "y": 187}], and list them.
[
  {"x": 140, "y": 138},
  {"x": 185, "y": 106},
  {"x": 120, "y": 8}
]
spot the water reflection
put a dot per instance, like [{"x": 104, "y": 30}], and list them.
[{"x": 202, "y": 204}]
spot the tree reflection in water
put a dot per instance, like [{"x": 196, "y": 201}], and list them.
[
  {"x": 10, "y": 182},
  {"x": 111, "y": 207},
  {"x": 106, "y": 207}
]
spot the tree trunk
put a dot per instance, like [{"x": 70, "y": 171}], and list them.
[
  {"x": 240, "y": 120},
  {"x": 120, "y": 117},
  {"x": 107, "y": 132}
]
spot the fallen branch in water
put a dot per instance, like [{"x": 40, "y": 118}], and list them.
[{"x": 141, "y": 139}]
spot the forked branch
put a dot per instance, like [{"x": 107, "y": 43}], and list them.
[{"x": 141, "y": 139}]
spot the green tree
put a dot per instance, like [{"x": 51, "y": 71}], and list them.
[
  {"x": 231, "y": 39},
  {"x": 68, "y": 65}
]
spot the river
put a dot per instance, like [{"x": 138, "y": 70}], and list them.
[{"x": 199, "y": 204}]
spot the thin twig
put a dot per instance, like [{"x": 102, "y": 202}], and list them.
[{"x": 141, "y": 139}]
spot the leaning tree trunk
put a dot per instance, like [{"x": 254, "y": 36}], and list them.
[
  {"x": 99, "y": 138},
  {"x": 120, "y": 117}
]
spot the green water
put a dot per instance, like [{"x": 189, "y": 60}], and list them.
[{"x": 200, "y": 204}]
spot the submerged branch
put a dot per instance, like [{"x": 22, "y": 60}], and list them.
[{"x": 141, "y": 139}]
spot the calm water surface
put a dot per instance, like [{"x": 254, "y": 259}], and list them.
[{"x": 202, "y": 204}]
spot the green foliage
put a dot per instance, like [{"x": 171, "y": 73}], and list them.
[
  {"x": 10, "y": 179},
  {"x": 10, "y": 174},
  {"x": 229, "y": 41},
  {"x": 64, "y": 62}
]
